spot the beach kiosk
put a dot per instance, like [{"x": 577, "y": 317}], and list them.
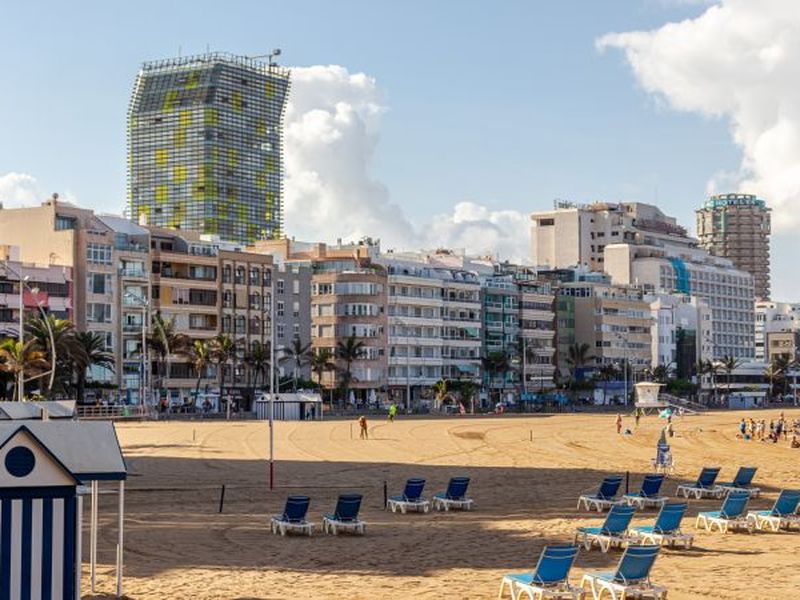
[
  {"x": 647, "y": 396},
  {"x": 45, "y": 469},
  {"x": 290, "y": 407}
]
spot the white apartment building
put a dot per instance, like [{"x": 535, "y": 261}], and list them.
[
  {"x": 772, "y": 318},
  {"x": 577, "y": 234},
  {"x": 681, "y": 333},
  {"x": 669, "y": 269}
]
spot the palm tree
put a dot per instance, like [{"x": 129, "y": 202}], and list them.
[
  {"x": 17, "y": 357},
  {"x": 776, "y": 372},
  {"x": 223, "y": 349},
  {"x": 578, "y": 357},
  {"x": 165, "y": 340},
  {"x": 92, "y": 353},
  {"x": 298, "y": 354},
  {"x": 200, "y": 357},
  {"x": 258, "y": 359},
  {"x": 321, "y": 361},
  {"x": 495, "y": 363},
  {"x": 349, "y": 350},
  {"x": 729, "y": 364},
  {"x": 68, "y": 351},
  {"x": 440, "y": 393},
  {"x": 661, "y": 373}
]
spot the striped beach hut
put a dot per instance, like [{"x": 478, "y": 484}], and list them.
[
  {"x": 39, "y": 521},
  {"x": 46, "y": 468}
]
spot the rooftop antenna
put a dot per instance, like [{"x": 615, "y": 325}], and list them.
[{"x": 275, "y": 52}]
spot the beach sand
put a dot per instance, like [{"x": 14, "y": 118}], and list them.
[{"x": 178, "y": 546}]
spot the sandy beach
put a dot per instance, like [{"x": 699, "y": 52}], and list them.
[{"x": 178, "y": 546}]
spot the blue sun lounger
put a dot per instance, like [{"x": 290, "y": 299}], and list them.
[
  {"x": 550, "y": 578},
  {"x": 605, "y": 497},
  {"x": 345, "y": 516},
  {"x": 614, "y": 532},
  {"x": 730, "y": 516},
  {"x": 648, "y": 494},
  {"x": 743, "y": 481},
  {"x": 293, "y": 517},
  {"x": 631, "y": 579},
  {"x": 411, "y": 498},
  {"x": 782, "y": 514},
  {"x": 667, "y": 528},
  {"x": 704, "y": 487},
  {"x": 455, "y": 496}
]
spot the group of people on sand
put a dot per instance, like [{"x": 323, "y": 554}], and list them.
[
  {"x": 757, "y": 429},
  {"x": 637, "y": 415}
]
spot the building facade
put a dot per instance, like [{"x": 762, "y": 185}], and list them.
[
  {"x": 737, "y": 227},
  {"x": 681, "y": 333},
  {"x": 205, "y": 146},
  {"x": 694, "y": 272},
  {"x": 771, "y": 319}
]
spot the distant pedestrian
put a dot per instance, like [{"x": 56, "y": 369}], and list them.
[
  {"x": 362, "y": 423},
  {"x": 392, "y": 412},
  {"x": 637, "y": 415},
  {"x": 743, "y": 427},
  {"x": 619, "y": 423}
]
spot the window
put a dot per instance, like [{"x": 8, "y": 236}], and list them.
[
  {"x": 279, "y": 309},
  {"x": 63, "y": 223},
  {"x": 255, "y": 301},
  {"x": 547, "y": 222},
  {"x": 255, "y": 326},
  {"x": 267, "y": 277},
  {"x": 280, "y": 286},
  {"x": 241, "y": 324},
  {"x": 226, "y": 274},
  {"x": 279, "y": 330},
  {"x": 98, "y": 283},
  {"x": 296, "y": 330},
  {"x": 239, "y": 274},
  {"x": 295, "y": 309},
  {"x": 98, "y": 313},
  {"x": 296, "y": 286},
  {"x": 254, "y": 276},
  {"x": 98, "y": 253}
]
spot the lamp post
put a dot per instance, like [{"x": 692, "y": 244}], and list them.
[{"x": 272, "y": 386}]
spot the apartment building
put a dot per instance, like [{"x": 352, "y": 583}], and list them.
[
  {"x": 613, "y": 320},
  {"x": 537, "y": 334},
  {"x": 693, "y": 271},
  {"x": 347, "y": 299},
  {"x": 577, "y": 234},
  {"x": 47, "y": 287},
  {"x": 776, "y": 324},
  {"x": 737, "y": 227},
  {"x": 681, "y": 332}
]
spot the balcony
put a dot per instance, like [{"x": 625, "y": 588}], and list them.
[{"x": 133, "y": 273}]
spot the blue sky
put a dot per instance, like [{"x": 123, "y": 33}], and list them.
[{"x": 507, "y": 104}]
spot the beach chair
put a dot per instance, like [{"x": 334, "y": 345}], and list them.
[
  {"x": 550, "y": 578},
  {"x": 664, "y": 462},
  {"x": 455, "y": 496},
  {"x": 411, "y": 498},
  {"x": 704, "y": 487},
  {"x": 782, "y": 514},
  {"x": 648, "y": 494},
  {"x": 732, "y": 515},
  {"x": 614, "y": 532},
  {"x": 345, "y": 516},
  {"x": 743, "y": 481},
  {"x": 603, "y": 498},
  {"x": 293, "y": 517},
  {"x": 631, "y": 579},
  {"x": 667, "y": 528}
]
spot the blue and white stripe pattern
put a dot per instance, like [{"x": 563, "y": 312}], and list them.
[{"x": 37, "y": 545}]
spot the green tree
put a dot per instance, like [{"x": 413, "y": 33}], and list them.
[
  {"x": 200, "y": 357},
  {"x": 298, "y": 354},
  {"x": 495, "y": 364},
  {"x": 92, "y": 353},
  {"x": 164, "y": 340},
  {"x": 347, "y": 351},
  {"x": 321, "y": 361},
  {"x": 68, "y": 350},
  {"x": 258, "y": 360},
  {"x": 441, "y": 392},
  {"x": 223, "y": 350},
  {"x": 729, "y": 365},
  {"x": 17, "y": 357}
]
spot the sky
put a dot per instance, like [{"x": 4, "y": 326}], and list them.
[{"x": 437, "y": 124}]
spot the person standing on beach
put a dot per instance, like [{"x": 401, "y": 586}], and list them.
[
  {"x": 362, "y": 423},
  {"x": 637, "y": 414},
  {"x": 619, "y": 423},
  {"x": 392, "y": 412}
]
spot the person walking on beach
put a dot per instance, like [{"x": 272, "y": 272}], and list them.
[
  {"x": 619, "y": 423},
  {"x": 392, "y": 412},
  {"x": 743, "y": 428},
  {"x": 362, "y": 423},
  {"x": 637, "y": 415}
]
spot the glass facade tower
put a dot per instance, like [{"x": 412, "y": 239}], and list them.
[{"x": 205, "y": 146}]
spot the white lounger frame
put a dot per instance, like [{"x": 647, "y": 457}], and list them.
[
  {"x": 591, "y": 502},
  {"x": 333, "y": 526},
  {"x": 688, "y": 490},
  {"x": 448, "y": 503},
  {"x": 277, "y": 525},
  {"x": 404, "y": 505},
  {"x": 603, "y": 541},
  {"x": 723, "y": 524},
  {"x": 661, "y": 539},
  {"x": 538, "y": 592},
  {"x": 774, "y": 522},
  {"x": 753, "y": 491},
  {"x": 643, "y": 502},
  {"x": 619, "y": 591}
]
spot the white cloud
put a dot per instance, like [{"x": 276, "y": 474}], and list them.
[
  {"x": 739, "y": 60},
  {"x": 332, "y": 132},
  {"x": 19, "y": 189}
]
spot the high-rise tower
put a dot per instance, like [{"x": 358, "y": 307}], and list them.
[
  {"x": 737, "y": 227},
  {"x": 205, "y": 145}
]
